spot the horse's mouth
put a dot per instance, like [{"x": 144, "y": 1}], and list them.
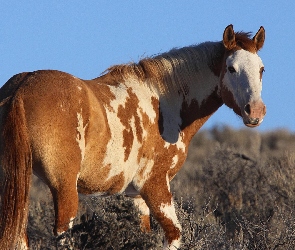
[{"x": 253, "y": 122}]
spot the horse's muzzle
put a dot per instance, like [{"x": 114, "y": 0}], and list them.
[{"x": 254, "y": 113}]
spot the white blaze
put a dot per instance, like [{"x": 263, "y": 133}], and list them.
[{"x": 245, "y": 83}]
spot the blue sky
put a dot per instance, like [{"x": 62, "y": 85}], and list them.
[{"x": 84, "y": 38}]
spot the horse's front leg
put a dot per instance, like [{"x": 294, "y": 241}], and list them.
[{"x": 156, "y": 193}]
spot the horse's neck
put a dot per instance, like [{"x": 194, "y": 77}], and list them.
[
  {"x": 185, "y": 81},
  {"x": 189, "y": 97}
]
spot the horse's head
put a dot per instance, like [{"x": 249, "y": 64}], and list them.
[{"x": 241, "y": 77}]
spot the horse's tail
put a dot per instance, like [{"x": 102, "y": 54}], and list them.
[{"x": 16, "y": 163}]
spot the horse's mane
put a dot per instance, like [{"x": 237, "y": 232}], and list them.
[{"x": 170, "y": 71}]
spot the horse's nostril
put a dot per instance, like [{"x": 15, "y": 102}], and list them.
[{"x": 247, "y": 109}]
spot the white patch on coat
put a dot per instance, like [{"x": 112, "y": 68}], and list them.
[
  {"x": 245, "y": 83},
  {"x": 168, "y": 182},
  {"x": 174, "y": 161},
  {"x": 144, "y": 95},
  {"x": 115, "y": 152},
  {"x": 145, "y": 168},
  {"x": 179, "y": 143},
  {"x": 169, "y": 211},
  {"x": 122, "y": 166},
  {"x": 141, "y": 205},
  {"x": 170, "y": 112},
  {"x": 80, "y": 138}
]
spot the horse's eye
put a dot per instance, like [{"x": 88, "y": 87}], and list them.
[{"x": 231, "y": 69}]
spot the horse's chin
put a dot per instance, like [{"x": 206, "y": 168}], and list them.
[{"x": 252, "y": 125}]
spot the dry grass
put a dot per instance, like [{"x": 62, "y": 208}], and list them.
[{"x": 236, "y": 191}]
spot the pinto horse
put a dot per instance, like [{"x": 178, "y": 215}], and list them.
[{"x": 127, "y": 131}]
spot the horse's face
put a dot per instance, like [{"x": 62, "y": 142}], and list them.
[{"x": 241, "y": 84}]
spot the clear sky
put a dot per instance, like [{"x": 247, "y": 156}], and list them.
[{"x": 84, "y": 38}]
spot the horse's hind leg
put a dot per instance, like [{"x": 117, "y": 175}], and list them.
[
  {"x": 62, "y": 182},
  {"x": 65, "y": 198}
]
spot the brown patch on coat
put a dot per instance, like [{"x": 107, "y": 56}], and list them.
[
  {"x": 127, "y": 142},
  {"x": 147, "y": 149},
  {"x": 194, "y": 111},
  {"x": 171, "y": 231},
  {"x": 229, "y": 100},
  {"x": 126, "y": 112}
]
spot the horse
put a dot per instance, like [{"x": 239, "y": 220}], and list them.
[{"x": 124, "y": 132}]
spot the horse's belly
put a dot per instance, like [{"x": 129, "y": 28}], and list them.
[{"x": 108, "y": 179}]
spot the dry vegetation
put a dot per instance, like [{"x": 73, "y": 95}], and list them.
[{"x": 236, "y": 191}]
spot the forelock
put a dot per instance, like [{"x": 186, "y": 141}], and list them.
[{"x": 244, "y": 41}]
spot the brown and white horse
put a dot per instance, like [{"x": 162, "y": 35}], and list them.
[{"x": 127, "y": 131}]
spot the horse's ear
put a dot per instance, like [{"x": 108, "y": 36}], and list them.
[
  {"x": 259, "y": 38},
  {"x": 229, "y": 39}
]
